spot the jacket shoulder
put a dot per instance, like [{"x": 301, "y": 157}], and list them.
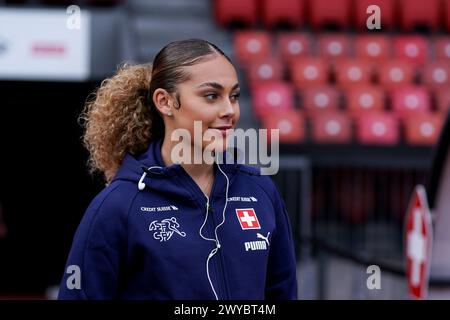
[
  {"x": 108, "y": 211},
  {"x": 254, "y": 175},
  {"x": 115, "y": 195},
  {"x": 250, "y": 170}
]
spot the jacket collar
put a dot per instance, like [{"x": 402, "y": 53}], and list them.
[{"x": 171, "y": 179}]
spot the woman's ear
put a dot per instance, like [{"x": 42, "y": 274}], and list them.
[{"x": 162, "y": 101}]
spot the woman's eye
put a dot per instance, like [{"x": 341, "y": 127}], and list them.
[
  {"x": 235, "y": 97},
  {"x": 211, "y": 96}
]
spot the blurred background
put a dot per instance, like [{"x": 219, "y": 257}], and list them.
[{"x": 360, "y": 110}]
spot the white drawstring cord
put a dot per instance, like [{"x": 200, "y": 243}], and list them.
[
  {"x": 211, "y": 254},
  {"x": 213, "y": 251},
  {"x": 216, "y": 240},
  {"x": 141, "y": 183},
  {"x": 225, "y": 206},
  {"x": 141, "y": 186},
  {"x": 204, "y": 222}
]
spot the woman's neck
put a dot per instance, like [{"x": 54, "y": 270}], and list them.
[{"x": 202, "y": 174}]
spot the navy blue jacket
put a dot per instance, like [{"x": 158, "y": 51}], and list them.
[{"x": 146, "y": 244}]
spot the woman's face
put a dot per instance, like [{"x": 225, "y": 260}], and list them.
[{"x": 211, "y": 95}]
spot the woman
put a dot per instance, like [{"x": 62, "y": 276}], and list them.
[{"x": 170, "y": 229}]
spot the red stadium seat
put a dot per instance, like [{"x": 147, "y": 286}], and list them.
[
  {"x": 442, "y": 100},
  {"x": 411, "y": 48},
  {"x": 387, "y": 9},
  {"x": 442, "y": 47},
  {"x": 446, "y": 11},
  {"x": 334, "y": 46},
  {"x": 423, "y": 129},
  {"x": 372, "y": 47},
  {"x": 251, "y": 45},
  {"x": 436, "y": 74},
  {"x": 269, "y": 69},
  {"x": 325, "y": 13},
  {"x": 281, "y": 12},
  {"x": 395, "y": 73},
  {"x": 408, "y": 100},
  {"x": 419, "y": 13},
  {"x": 320, "y": 98},
  {"x": 377, "y": 128},
  {"x": 351, "y": 72},
  {"x": 270, "y": 98},
  {"x": 232, "y": 11},
  {"x": 309, "y": 71},
  {"x": 331, "y": 127},
  {"x": 291, "y": 125},
  {"x": 365, "y": 98},
  {"x": 293, "y": 45}
]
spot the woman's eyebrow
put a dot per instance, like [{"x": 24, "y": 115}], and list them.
[{"x": 216, "y": 85}]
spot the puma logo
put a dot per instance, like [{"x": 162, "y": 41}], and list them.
[{"x": 266, "y": 239}]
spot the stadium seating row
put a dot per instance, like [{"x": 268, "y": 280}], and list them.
[
  {"x": 416, "y": 49},
  {"x": 349, "y": 72},
  {"x": 404, "y": 14},
  {"x": 370, "y": 128},
  {"x": 271, "y": 97}
]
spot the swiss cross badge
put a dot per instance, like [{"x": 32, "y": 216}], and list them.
[{"x": 248, "y": 219}]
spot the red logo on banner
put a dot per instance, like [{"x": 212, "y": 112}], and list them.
[
  {"x": 418, "y": 237},
  {"x": 248, "y": 219}
]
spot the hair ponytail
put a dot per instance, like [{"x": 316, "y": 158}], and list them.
[{"x": 120, "y": 119}]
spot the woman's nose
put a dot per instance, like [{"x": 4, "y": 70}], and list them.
[{"x": 228, "y": 109}]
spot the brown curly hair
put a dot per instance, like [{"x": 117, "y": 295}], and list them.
[{"x": 120, "y": 117}]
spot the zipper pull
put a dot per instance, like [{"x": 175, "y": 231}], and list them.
[{"x": 208, "y": 207}]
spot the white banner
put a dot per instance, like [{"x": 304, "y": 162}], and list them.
[{"x": 44, "y": 44}]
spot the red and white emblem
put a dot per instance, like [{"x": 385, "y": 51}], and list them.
[
  {"x": 419, "y": 237},
  {"x": 248, "y": 219}
]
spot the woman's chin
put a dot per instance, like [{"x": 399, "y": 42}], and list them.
[{"x": 218, "y": 146}]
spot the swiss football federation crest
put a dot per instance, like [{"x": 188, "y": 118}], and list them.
[
  {"x": 165, "y": 229},
  {"x": 248, "y": 219}
]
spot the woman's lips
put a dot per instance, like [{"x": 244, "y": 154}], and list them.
[{"x": 224, "y": 130}]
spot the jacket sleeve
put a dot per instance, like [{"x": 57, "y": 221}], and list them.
[
  {"x": 281, "y": 282},
  {"x": 93, "y": 265}
]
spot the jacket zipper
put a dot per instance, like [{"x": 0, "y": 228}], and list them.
[
  {"x": 213, "y": 222},
  {"x": 219, "y": 260}
]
